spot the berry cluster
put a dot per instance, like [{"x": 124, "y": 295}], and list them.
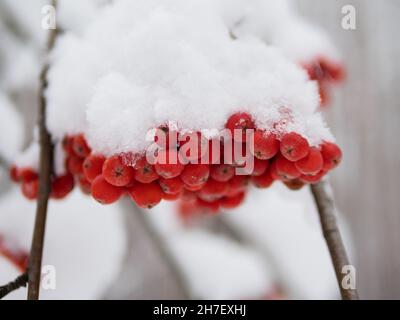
[
  {"x": 325, "y": 72},
  {"x": 189, "y": 167}
]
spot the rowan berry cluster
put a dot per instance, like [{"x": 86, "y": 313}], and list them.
[{"x": 206, "y": 173}]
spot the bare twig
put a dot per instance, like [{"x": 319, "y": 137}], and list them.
[
  {"x": 45, "y": 171},
  {"x": 326, "y": 210},
  {"x": 21, "y": 281}
]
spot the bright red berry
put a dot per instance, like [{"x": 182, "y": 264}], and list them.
[
  {"x": 85, "y": 185},
  {"x": 264, "y": 181},
  {"x": 195, "y": 174},
  {"x": 312, "y": 179},
  {"x": 166, "y": 138},
  {"x": 144, "y": 171},
  {"x": 266, "y": 145},
  {"x": 260, "y": 166},
  {"x": 170, "y": 197},
  {"x": 30, "y": 189},
  {"x": 312, "y": 163},
  {"x": 193, "y": 147},
  {"x": 14, "y": 174},
  {"x": 171, "y": 186},
  {"x": 240, "y": 121},
  {"x": 237, "y": 185},
  {"x": 213, "y": 152},
  {"x": 286, "y": 169},
  {"x": 104, "y": 192},
  {"x": 295, "y": 184},
  {"x": 80, "y": 146},
  {"x": 213, "y": 190},
  {"x": 273, "y": 171},
  {"x": 195, "y": 187},
  {"x": 210, "y": 206},
  {"x": 67, "y": 145},
  {"x": 331, "y": 154},
  {"x": 27, "y": 174},
  {"x": 93, "y": 166},
  {"x": 294, "y": 147},
  {"x": 232, "y": 202},
  {"x": 146, "y": 195},
  {"x": 75, "y": 165},
  {"x": 222, "y": 172},
  {"x": 62, "y": 186},
  {"x": 116, "y": 173},
  {"x": 168, "y": 164}
]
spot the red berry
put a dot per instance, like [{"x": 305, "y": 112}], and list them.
[
  {"x": 331, "y": 154},
  {"x": 168, "y": 165},
  {"x": 75, "y": 165},
  {"x": 195, "y": 187},
  {"x": 116, "y": 173},
  {"x": 171, "y": 197},
  {"x": 232, "y": 202},
  {"x": 222, "y": 172},
  {"x": 273, "y": 171},
  {"x": 295, "y": 184},
  {"x": 294, "y": 147},
  {"x": 85, "y": 185},
  {"x": 27, "y": 174},
  {"x": 312, "y": 163},
  {"x": 166, "y": 138},
  {"x": 30, "y": 189},
  {"x": 210, "y": 206},
  {"x": 260, "y": 166},
  {"x": 237, "y": 184},
  {"x": 80, "y": 147},
  {"x": 213, "y": 190},
  {"x": 104, "y": 192},
  {"x": 146, "y": 195},
  {"x": 213, "y": 152},
  {"x": 266, "y": 145},
  {"x": 240, "y": 121},
  {"x": 67, "y": 145},
  {"x": 195, "y": 174},
  {"x": 286, "y": 169},
  {"x": 192, "y": 147},
  {"x": 62, "y": 186},
  {"x": 312, "y": 179},
  {"x": 93, "y": 166},
  {"x": 144, "y": 171},
  {"x": 171, "y": 186},
  {"x": 264, "y": 181},
  {"x": 14, "y": 175}
]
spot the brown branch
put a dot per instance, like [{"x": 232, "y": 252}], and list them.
[
  {"x": 20, "y": 282},
  {"x": 45, "y": 171},
  {"x": 326, "y": 209}
]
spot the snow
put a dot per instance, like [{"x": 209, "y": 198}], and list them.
[
  {"x": 11, "y": 129},
  {"x": 168, "y": 65},
  {"x": 285, "y": 225},
  {"x": 85, "y": 242},
  {"x": 214, "y": 266}
]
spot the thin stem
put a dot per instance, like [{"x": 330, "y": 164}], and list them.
[
  {"x": 326, "y": 209},
  {"x": 45, "y": 171},
  {"x": 21, "y": 281}
]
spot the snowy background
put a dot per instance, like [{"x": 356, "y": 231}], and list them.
[{"x": 271, "y": 247}]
